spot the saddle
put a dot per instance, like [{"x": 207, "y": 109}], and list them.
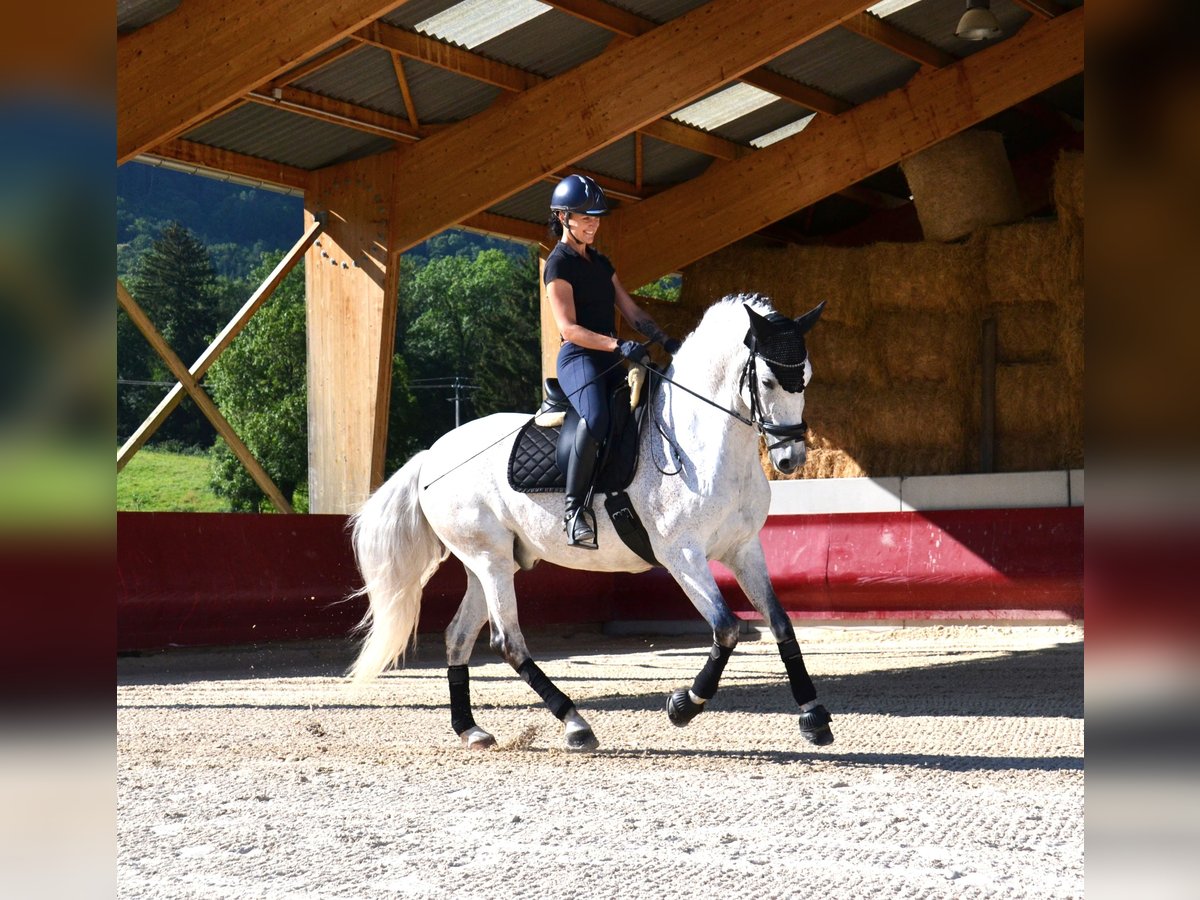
[{"x": 538, "y": 462}]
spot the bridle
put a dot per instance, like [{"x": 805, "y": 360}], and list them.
[{"x": 786, "y": 434}]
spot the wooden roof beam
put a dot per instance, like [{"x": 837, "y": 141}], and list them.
[
  {"x": 834, "y": 153},
  {"x": 628, "y": 25},
  {"x": 873, "y": 28},
  {"x": 615, "y": 94},
  {"x": 338, "y": 112},
  {"x": 180, "y": 68},
  {"x": 447, "y": 56},
  {"x": 226, "y": 161},
  {"x": 514, "y": 80},
  {"x": 1047, "y": 9}
]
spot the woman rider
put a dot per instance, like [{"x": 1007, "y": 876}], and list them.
[{"x": 584, "y": 294}]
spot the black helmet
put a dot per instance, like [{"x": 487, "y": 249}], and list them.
[{"x": 579, "y": 194}]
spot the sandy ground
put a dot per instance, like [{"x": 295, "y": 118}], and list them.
[{"x": 957, "y": 772}]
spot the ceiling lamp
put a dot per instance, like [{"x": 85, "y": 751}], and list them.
[{"x": 978, "y": 23}]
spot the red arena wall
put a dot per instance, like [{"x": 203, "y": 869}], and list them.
[{"x": 188, "y": 579}]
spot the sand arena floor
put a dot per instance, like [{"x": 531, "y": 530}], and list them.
[{"x": 957, "y": 772}]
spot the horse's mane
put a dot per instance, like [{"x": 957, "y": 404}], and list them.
[{"x": 726, "y": 320}]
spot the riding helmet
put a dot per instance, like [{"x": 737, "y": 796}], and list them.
[{"x": 579, "y": 194}]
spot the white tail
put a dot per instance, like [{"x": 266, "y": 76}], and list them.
[{"x": 397, "y": 554}]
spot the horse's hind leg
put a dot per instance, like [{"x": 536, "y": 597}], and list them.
[
  {"x": 508, "y": 641},
  {"x": 460, "y": 641},
  {"x": 749, "y": 567},
  {"x": 691, "y": 571}
]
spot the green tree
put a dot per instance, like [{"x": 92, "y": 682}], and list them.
[
  {"x": 174, "y": 283},
  {"x": 259, "y": 384},
  {"x": 474, "y": 318}
]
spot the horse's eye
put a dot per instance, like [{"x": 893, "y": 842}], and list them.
[{"x": 768, "y": 384}]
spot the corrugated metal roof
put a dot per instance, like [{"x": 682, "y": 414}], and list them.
[
  {"x": 665, "y": 164},
  {"x": 530, "y": 205},
  {"x": 548, "y": 45},
  {"x": 761, "y": 121},
  {"x": 407, "y": 15},
  {"x": 660, "y": 10},
  {"x": 442, "y": 96},
  {"x": 133, "y": 14},
  {"x": 615, "y": 160},
  {"x": 845, "y": 65},
  {"x": 284, "y": 137},
  {"x": 473, "y": 22},
  {"x": 364, "y": 77},
  {"x": 838, "y": 62}
]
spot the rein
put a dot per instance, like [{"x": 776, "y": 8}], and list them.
[{"x": 786, "y": 433}]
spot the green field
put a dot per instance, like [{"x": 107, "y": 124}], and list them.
[{"x": 158, "y": 481}]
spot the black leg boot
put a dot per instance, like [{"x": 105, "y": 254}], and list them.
[{"x": 579, "y": 518}]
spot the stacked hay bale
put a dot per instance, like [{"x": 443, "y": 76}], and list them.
[{"x": 897, "y": 355}]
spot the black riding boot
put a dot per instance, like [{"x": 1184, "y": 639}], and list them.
[{"x": 579, "y": 518}]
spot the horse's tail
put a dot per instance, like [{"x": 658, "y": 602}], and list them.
[{"x": 397, "y": 553}]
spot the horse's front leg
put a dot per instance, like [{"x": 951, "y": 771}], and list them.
[
  {"x": 508, "y": 641},
  {"x": 690, "y": 569},
  {"x": 749, "y": 567}
]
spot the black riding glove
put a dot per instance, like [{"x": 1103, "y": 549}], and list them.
[
  {"x": 672, "y": 345},
  {"x": 633, "y": 351}
]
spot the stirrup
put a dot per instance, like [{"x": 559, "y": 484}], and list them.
[{"x": 581, "y": 529}]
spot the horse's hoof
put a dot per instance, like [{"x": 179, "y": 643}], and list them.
[
  {"x": 582, "y": 739},
  {"x": 475, "y": 738},
  {"x": 681, "y": 709},
  {"x": 814, "y": 725}
]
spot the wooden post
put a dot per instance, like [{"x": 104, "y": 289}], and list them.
[
  {"x": 987, "y": 399},
  {"x": 352, "y": 295},
  {"x": 551, "y": 339}
]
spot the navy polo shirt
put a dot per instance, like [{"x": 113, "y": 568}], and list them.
[{"x": 591, "y": 281}]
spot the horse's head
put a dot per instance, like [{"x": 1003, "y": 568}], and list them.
[{"x": 776, "y": 373}]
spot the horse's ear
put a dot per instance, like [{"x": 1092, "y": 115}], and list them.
[
  {"x": 805, "y": 322},
  {"x": 756, "y": 321}
]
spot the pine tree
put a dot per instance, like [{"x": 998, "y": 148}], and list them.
[{"x": 174, "y": 283}]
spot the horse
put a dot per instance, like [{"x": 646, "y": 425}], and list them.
[{"x": 708, "y": 500}]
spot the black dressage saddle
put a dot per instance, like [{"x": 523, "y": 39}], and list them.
[{"x": 538, "y": 462}]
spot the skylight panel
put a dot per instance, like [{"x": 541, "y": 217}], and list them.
[
  {"x": 887, "y": 7},
  {"x": 474, "y": 22},
  {"x": 725, "y": 106},
  {"x": 771, "y": 137}
]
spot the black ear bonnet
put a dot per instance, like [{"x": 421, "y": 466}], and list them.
[{"x": 779, "y": 342}]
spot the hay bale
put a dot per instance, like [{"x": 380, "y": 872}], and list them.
[
  {"x": 1027, "y": 332},
  {"x": 795, "y": 278},
  {"x": 1068, "y": 188},
  {"x": 902, "y": 415},
  {"x": 836, "y": 275},
  {"x": 921, "y": 348},
  {"x": 962, "y": 184},
  {"x": 924, "y": 276},
  {"x": 843, "y": 354},
  {"x": 1021, "y": 453},
  {"x": 1028, "y": 263},
  {"x": 1032, "y": 401}
]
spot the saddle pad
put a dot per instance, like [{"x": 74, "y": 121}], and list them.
[{"x": 532, "y": 467}]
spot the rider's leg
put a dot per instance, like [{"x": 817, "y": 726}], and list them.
[
  {"x": 578, "y": 515},
  {"x": 586, "y": 382}
]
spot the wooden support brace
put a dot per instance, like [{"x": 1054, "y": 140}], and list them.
[
  {"x": 188, "y": 381},
  {"x": 217, "y": 347}
]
